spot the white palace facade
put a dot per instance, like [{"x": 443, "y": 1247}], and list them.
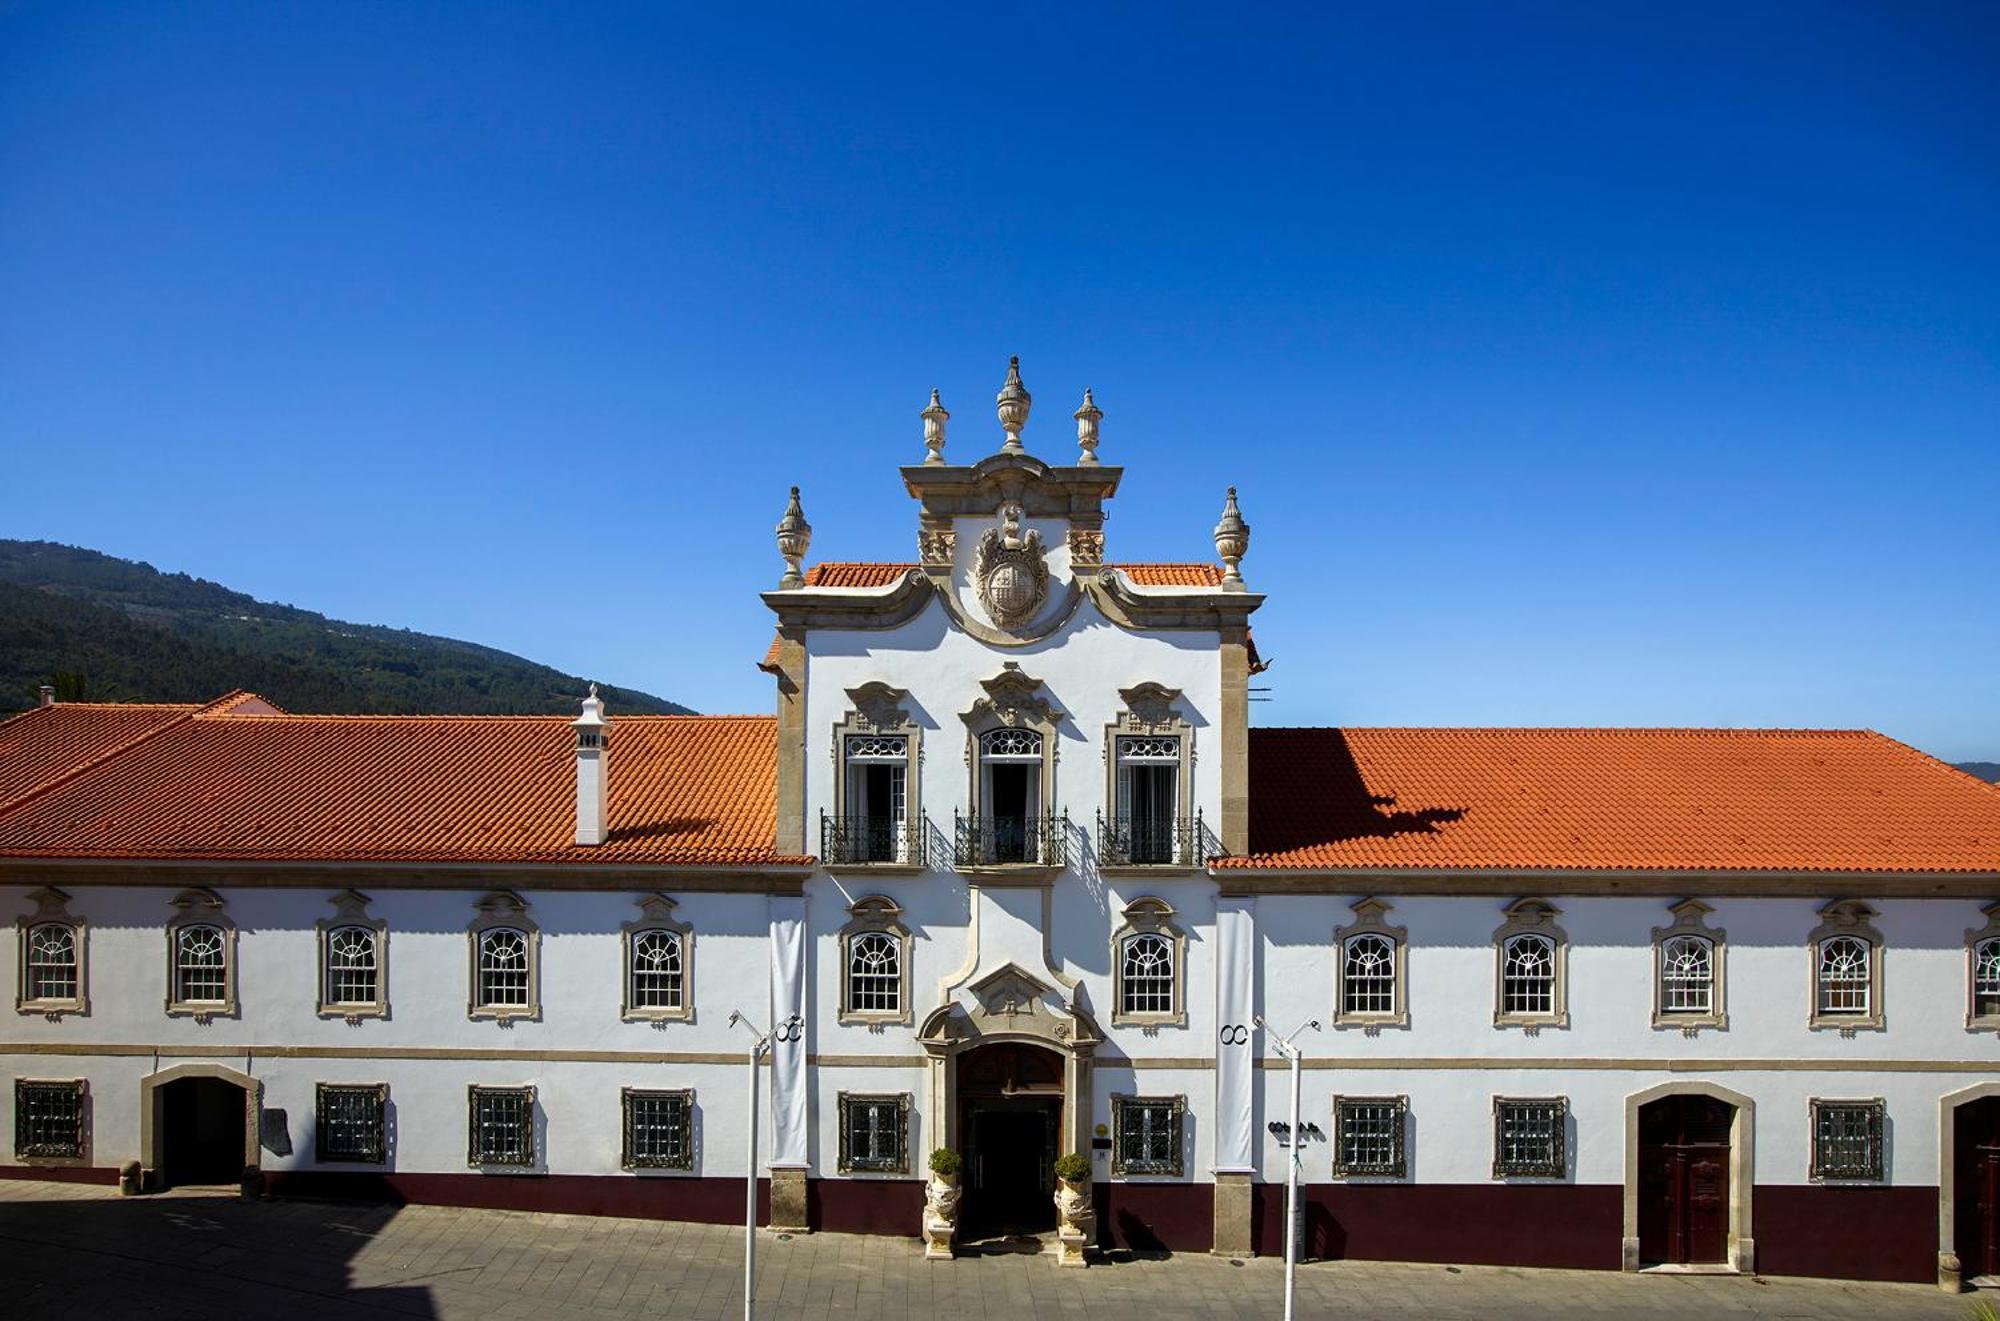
[{"x": 1008, "y": 871}]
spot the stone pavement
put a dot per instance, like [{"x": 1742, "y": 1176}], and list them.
[{"x": 81, "y": 1253}]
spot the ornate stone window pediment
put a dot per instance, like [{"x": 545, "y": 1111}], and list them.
[
  {"x": 1011, "y": 751},
  {"x": 54, "y": 957},
  {"x": 506, "y": 960},
  {"x": 1150, "y": 819},
  {"x": 877, "y": 818},
  {"x": 875, "y": 950}
]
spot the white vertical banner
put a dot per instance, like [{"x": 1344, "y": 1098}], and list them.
[
  {"x": 1235, "y": 1047},
  {"x": 789, "y": 1111}
]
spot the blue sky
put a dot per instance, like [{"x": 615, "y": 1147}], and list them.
[{"x": 1578, "y": 364}]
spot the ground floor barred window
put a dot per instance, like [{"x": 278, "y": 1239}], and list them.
[
  {"x": 1528, "y": 1137},
  {"x": 1847, "y": 1140},
  {"x": 1368, "y": 1135},
  {"x": 659, "y": 1130},
  {"x": 49, "y": 1119},
  {"x": 500, "y": 1124},
  {"x": 875, "y": 1134},
  {"x": 351, "y": 1123},
  {"x": 1146, "y": 1134}
]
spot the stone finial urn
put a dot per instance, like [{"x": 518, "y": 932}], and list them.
[
  {"x": 1232, "y": 543},
  {"x": 794, "y": 538},
  {"x": 1076, "y": 1216},
  {"x": 934, "y": 417},
  {"x": 1013, "y": 403},
  {"x": 1087, "y": 418}
]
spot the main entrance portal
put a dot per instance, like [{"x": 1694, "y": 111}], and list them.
[
  {"x": 1010, "y": 1098},
  {"x": 1976, "y": 1186},
  {"x": 1684, "y": 1180}
]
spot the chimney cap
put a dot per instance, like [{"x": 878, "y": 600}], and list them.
[
  {"x": 48, "y": 694},
  {"x": 593, "y": 716}
]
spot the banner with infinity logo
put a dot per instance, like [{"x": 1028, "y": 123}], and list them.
[
  {"x": 1235, "y": 1047},
  {"x": 790, "y": 1122}
]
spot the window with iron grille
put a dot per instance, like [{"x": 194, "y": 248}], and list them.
[
  {"x": 48, "y": 1119},
  {"x": 1844, "y": 976},
  {"x": 1146, "y": 1134},
  {"x": 201, "y": 964},
  {"x": 875, "y": 974},
  {"x": 1847, "y": 1140},
  {"x": 1368, "y": 976},
  {"x": 1528, "y": 1137},
  {"x": 875, "y": 1134},
  {"x": 659, "y": 1130},
  {"x": 1687, "y": 976},
  {"x": 1986, "y": 979},
  {"x": 1368, "y": 1135},
  {"x": 1146, "y": 975},
  {"x": 352, "y": 966},
  {"x": 52, "y": 969},
  {"x": 501, "y": 1125},
  {"x": 656, "y": 970},
  {"x": 503, "y": 967},
  {"x": 351, "y": 1123},
  {"x": 1528, "y": 976}
]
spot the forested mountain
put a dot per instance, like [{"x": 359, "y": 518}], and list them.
[
  {"x": 1985, "y": 770},
  {"x": 111, "y": 630}
]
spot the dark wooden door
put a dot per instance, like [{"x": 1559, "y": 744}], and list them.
[
  {"x": 202, "y": 1127},
  {"x": 1684, "y": 1180},
  {"x": 1976, "y": 1187},
  {"x": 1012, "y": 1155}
]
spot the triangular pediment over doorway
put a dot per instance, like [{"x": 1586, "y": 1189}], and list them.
[{"x": 1010, "y": 989}]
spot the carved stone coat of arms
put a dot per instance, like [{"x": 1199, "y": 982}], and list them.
[{"x": 1012, "y": 570}]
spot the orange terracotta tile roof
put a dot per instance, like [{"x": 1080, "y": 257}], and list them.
[
  {"x": 685, "y": 790},
  {"x": 44, "y": 745},
  {"x": 870, "y": 574},
  {"x": 1612, "y": 799}
]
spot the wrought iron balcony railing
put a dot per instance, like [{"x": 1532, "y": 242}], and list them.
[
  {"x": 1151, "y": 841},
  {"x": 861, "y": 840},
  {"x": 1001, "y": 841}
]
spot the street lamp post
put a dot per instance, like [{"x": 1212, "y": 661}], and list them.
[
  {"x": 757, "y": 1049},
  {"x": 1287, "y": 1047}
]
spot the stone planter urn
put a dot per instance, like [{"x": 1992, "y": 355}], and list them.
[
  {"x": 941, "y": 1194},
  {"x": 1076, "y": 1217}
]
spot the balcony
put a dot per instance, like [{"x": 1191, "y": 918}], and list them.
[
  {"x": 1153, "y": 842},
  {"x": 881, "y": 842},
  {"x": 1011, "y": 841}
]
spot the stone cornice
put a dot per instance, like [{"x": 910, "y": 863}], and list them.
[
  {"x": 482, "y": 876},
  {"x": 1647, "y": 884}
]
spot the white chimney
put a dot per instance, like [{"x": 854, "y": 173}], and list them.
[
  {"x": 48, "y": 693},
  {"x": 593, "y": 746}
]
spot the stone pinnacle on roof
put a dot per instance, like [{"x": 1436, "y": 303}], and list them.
[
  {"x": 1013, "y": 403},
  {"x": 1087, "y": 417},
  {"x": 794, "y": 539},
  {"x": 934, "y": 418},
  {"x": 1232, "y": 542}
]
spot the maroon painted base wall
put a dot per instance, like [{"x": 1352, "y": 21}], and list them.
[
  {"x": 704, "y": 1201},
  {"x": 61, "y": 1173},
  {"x": 1847, "y": 1233},
  {"x": 1155, "y": 1217},
  {"x": 1581, "y": 1227},
  {"x": 866, "y": 1206}
]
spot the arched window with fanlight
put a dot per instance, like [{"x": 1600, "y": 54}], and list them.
[
  {"x": 1846, "y": 952},
  {"x": 1982, "y": 973},
  {"x": 1011, "y": 752},
  {"x": 659, "y": 963},
  {"x": 875, "y": 821},
  {"x": 1148, "y": 953},
  {"x": 354, "y": 961},
  {"x": 875, "y": 964},
  {"x": 51, "y": 965},
  {"x": 1688, "y": 966},
  {"x": 506, "y": 960},
  {"x": 1369, "y": 963},
  {"x": 201, "y": 956},
  {"x": 1531, "y": 966},
  {"x": 1010, "y": 781}
]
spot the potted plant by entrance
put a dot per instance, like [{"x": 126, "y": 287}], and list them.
[
  {"x": 941, "y": 1196},
  {"x": 1076, "y": 1218}
]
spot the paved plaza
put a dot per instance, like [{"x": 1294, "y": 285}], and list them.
[{"x": 81, "y": 1253}]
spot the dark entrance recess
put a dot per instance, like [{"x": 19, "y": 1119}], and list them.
[
  {"x": 1010, "y": 1099},
  {"x": 1684, "y": 1180},
  {"x": 1976, "y": 1187},
  {"x": 201, "y": 1131}
]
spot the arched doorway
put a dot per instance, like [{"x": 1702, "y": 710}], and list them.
[
  {"x": 1010, "y": 1118},
  {"x": 198, "y": 1125},
  {"x": 1688, "y": 1150},
  {"x": 1970, "y": 1133}
]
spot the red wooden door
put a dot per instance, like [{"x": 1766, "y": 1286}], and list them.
[
  {"x": 1684, "y": 1180},
  {"x": 1976, "y": 1143}
]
